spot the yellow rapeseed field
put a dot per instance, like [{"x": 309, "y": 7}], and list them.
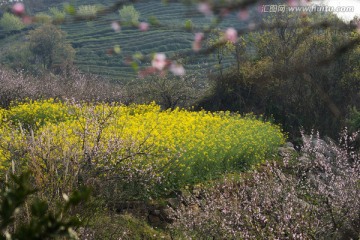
[{"x": 178, "y": 146}]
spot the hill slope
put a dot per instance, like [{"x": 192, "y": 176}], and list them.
[{"x": 92, "y": 39}]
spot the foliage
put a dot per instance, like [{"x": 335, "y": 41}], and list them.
[
  {"x": 49, "y": 46},
  {"x": 58, "y": 15},
  {"x": 9, "y": 22},
  {"x": 168, "y": 92},
  {"x": 216, "y": 37},
  {"x": 313, "y": 195},
  {"x": 42, "y": 223},
  {"x": 43, "y": 18},
  {"x": 354, "y": 120},
  {"x": 277, "y": 74},
  {"x": 146, "y": 150},
  {"x": 129, "y": 15},
  {"x": 87, "y": 11}
]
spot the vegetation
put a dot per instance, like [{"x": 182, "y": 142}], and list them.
[
  {"x": 193, "y": 128},
  {"x": 302, "y": 197},
  {"x": 49, "y": 46},
  {"x": 9, "y": 22},
  {"x": 129, "y": 15},
  {"x": 161, "y": 150},
  {"x": 41, "y": 223}
]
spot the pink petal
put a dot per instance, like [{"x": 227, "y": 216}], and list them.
[
  {"x": 199, "y": 37},
  {"x": 143, "y": 26},
  {"x": 18, "y": 8},
  {"x": 231, "y": 35},
  {"x": 116, "y": 26},
  {"x": 159, "y": 61},
  {"x": 177, "y": 69},
  {"x": 205, "y": 8}
]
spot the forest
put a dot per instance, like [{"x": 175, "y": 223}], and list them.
[{"x": 180, "y": 119}]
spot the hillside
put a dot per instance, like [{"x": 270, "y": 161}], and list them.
[{"x": 92, "y": 39}]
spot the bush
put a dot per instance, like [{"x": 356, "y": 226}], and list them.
[
  {"x": 354, "y": 120},
  {"x": 129, "y": 15},
  {"x": 87, "y": 11},
  {"x": 42, "y": 223},
  {"x": 43, "y": 18},
  {"x": 314, "y": 195},
  {"x": 58, "y": 15},
  {"x": 10, "y": 22}
]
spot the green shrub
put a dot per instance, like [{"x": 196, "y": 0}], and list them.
[
  {"x": 43, "y": 18},
  {"x": 353, "y": 120},
  {"x": 129, "y": 15},
  {"x": 42, "y": 223},
  {"x": 87, "y": 11},
  {"x": 57, "y": 14},
  {"x": 10, "y": 22}
]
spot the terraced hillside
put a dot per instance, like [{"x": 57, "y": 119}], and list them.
[{"x": 92, "y": 39}]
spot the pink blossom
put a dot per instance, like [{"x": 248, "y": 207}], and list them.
[
  {"x": 205, "y": 8},
  {"x": 159, "y": 61},
  {"x": 143, "y": 26},
  {"x": 177, "y": 69},
  {"x": 231, "y": 35},
  {"x": 199, "y": 37},
  {"x": 243, "y": 14},
  {"x": 116, "y": 26},
  {"x": 18, "y": 8},
  {"x": 197, "y": 41}
]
